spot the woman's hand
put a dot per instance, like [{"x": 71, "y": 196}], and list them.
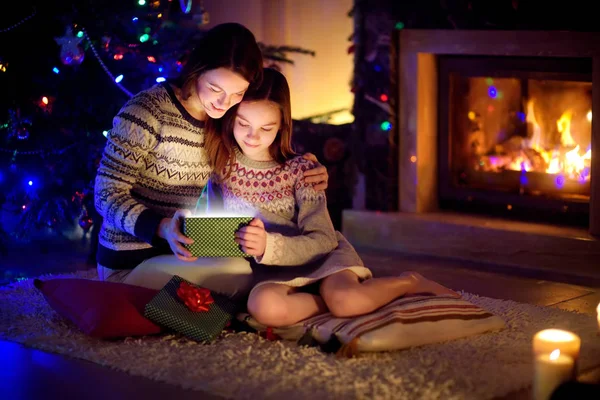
[
  {"x": 318, "y": 176},
  {"x": 170, "y": 230},
  {"x": 252, "y": 238}
]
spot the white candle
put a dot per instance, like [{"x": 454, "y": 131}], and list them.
[
  {"x": 546, "y": 341},
  {"x": 550, "y": 370}
]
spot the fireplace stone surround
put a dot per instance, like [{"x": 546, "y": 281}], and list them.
[{"x": 420, "y": 226}]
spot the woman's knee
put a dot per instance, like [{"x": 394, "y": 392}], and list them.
[{"x": 267, "y": 305}]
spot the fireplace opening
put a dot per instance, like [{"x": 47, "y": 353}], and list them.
[{"x": 515, "y": 137}]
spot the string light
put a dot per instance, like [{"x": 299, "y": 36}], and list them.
[
  {"x": 55, "y": 70},
  {"x": 10, "y": 28},
  {"x": 185, "y": 5},
  {"x": 104, "y": 67},
  {"x": 15, "y": 153}
]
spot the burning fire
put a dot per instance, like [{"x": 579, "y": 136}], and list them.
[{"x": 567, "y": 159}]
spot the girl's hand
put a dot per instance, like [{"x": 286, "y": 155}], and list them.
[
  {"x": 170, "y": 230},
  {"x": 252, "y": 238},
  {"x": 318, "y": 176}
]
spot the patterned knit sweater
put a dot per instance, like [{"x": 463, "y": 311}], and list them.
[
  {"x": 300, "y": 233},
  {"x": 154, "y": 162},
  {"x": 299, "y": 229}
]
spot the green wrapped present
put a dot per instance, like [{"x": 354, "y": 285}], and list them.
[
  {"x": 214, "y": 236},
  {"x": 191, "y": 310}
]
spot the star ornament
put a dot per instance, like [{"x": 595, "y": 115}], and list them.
[{"x": 70, "y": 51}]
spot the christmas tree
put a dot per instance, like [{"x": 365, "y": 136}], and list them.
[{"x": 62, "y": 88}]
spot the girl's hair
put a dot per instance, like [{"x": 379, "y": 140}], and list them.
[
  {"x": 229, "y": 45},
  {"x": 219, "y": 132}
]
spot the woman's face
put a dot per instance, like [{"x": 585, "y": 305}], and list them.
[{"x": 220, "y": 89}]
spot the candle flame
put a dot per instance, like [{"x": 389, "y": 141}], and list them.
[
  {"x": 555, "y": 354},
  {"x": 557, "y": 335}
]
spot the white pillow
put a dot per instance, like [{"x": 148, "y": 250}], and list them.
[{"x": 231, "y": 276}]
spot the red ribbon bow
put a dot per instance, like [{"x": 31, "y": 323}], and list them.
[{"x": 195, "y": 298}]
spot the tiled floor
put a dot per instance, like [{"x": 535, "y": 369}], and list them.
[{"x": 32, "y": 374}]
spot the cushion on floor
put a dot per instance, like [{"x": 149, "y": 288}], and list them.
[
  {"x": 404, "y": 323},
  {"x": 100, "y": 309}
]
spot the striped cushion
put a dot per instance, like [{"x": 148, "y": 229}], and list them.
[{"x": 406, "y": 322}]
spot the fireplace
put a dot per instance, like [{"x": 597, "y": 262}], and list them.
[
  {"x": 497, "y": 144},
  {"x": 500, "y": 123},
  {"x": 515, "y": 136}
]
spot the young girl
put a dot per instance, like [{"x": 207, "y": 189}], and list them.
[{"x": 300, "y": 268}]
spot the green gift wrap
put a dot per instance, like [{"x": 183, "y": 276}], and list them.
[
  {"x": 214, "y": 236},
  {"x": 191, "y": 310}
]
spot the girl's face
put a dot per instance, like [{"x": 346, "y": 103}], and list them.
[
  {"x": 220, "y": 89},
  {"x": 255, "y": 128}
]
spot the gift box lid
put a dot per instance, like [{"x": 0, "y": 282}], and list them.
[
  {"x": 168, "y": 309},
  {"x": 214, "y": 236}
]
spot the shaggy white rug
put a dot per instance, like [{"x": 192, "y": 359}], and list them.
[{"x": 245, "y": 366}]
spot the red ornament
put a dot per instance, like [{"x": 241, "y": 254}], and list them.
[
  {"x": 195, "y": 298},
  {"x": 85, "y": 222},
  {"x": 270, "y": 335}
]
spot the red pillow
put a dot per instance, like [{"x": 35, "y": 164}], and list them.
[{"x": 101, "y": 309}]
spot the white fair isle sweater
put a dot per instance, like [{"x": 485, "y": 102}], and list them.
[
  {"x": 154, "y": 162},
  {"x": 302, "y": 244}
]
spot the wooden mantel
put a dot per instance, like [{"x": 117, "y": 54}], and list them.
[{"x": 418, "y": 99}]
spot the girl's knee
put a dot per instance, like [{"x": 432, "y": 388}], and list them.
[
  {"x": 267, "y": 307},
  {"x": 339, "y": 301}
]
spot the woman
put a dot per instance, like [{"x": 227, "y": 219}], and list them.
[{"x": 154, "y": 165}]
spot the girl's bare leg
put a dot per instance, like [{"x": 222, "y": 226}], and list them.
[
  {"x": 277, "y": 305},
  {"x": 346, "y": 296}
]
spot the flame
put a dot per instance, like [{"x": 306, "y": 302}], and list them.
[
  {"x": 564, "y": 127},
  {"x": 574, "y": 163},
  {"x": 555, "y": 354}
]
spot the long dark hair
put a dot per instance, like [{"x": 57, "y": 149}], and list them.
[
  {"x": 219, "y": 132},
  {"x": 229, "y": 45}
]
